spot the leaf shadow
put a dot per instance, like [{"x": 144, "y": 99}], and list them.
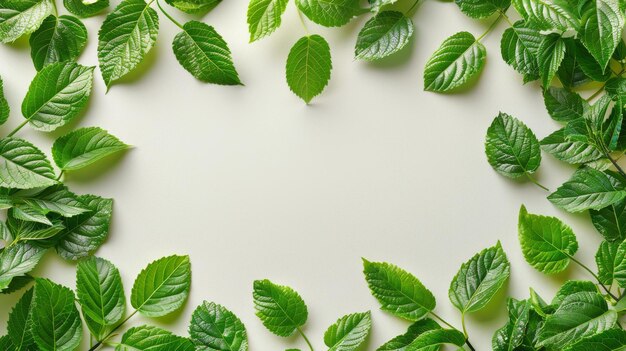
[
  {"x": 494, "y": 308},
  {"x": 174, "y": 318},
  {"x": 399, "y": 58},
  {"x": 96, "y": 170},
  {"x": 138, "y": 72},
  {"x": 22, "y": 43}
]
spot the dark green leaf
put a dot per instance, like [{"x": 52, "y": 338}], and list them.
[
  {"x": 519, "y": 47},
  {"x": 215, "y": 328},
  {"x": 149, "y": 338},
  {"x": 550, "y": 55},
  {"x": 572, "y": 152},
  {"x": 482, "y": 8},
  {"x": 601, "y": 29},
  {"x": 401, "y": 342},
  {"x": 85, "y": 9},
  {"x": 4, "y": 105},
  {"x": 194, "y": 6},
  {"x": 18, "y": 326},
  {"x": 611, "y": 221}
]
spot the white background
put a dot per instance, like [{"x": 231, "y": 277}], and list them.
[{"x": 252, "y": 183}]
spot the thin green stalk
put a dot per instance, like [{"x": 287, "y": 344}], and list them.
[
  {"x": 598, "y": 92},
  {"x": 506, "y": 18},
  {"x": 55, "y": 9},
  {"x": 491, "y": 27},
  {"x": 534, "y": 181},
  {"x": 169, "y": 17},
  {"x": 60, "y": 175},
  {"x": 596, "y": 278},
  {"x": 607, "y": 154},
  {"x": 463, "y": 325},
  {"x": 408, "y": 12},
  {"x": 305, "y": 338},
  {"x": 302, "y": 22},
  {"x": 17, "y": 129},
  {"x": 441, "y": 320},
  {"x": 99, "y": 343}
]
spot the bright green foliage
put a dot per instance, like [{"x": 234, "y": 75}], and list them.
[
  {"x": 126, "y": 36},
  {"x": 82, "y": 9},
  {"x": 264, "y": 17},
  {"x": 611, "y": 221},
  {"x": 349, "y": 332},
  {"x": 571, "y": 287},
  {"x": 58, "y": 93},
  {"x": 550, "y": 55},
  {"x": 458, "y": 59},
  {"x": 398, "y": 291},
  {"x": 205, "y": 54},
  {"x": 601, "y": 30},
  {"x": 608, "y": 340},
  {"x": 280, "y": 308},
  {"x": 194, "y": 6},
  {"x": 20, "y": 17},
  {"x": 24, "y": 227},
  {"x": 572, "y": 152},
  {"x": 59, "y": 39},
  {"x": 55, "y": 321},
  {"x": 482, "y": 8},
  {"x": 512, "y": 334},
  {"x": 332, "y": 13},
  {"x": 433, "y": 339},
  {"x": 4, "y": 105},
  {"x": 55, "y": 199},
  {"x": 401, "y": 342},
  {"x": 308, "y": 67},
  {"x": 100, "y": 295},
  {"x": 564, "y": 105},
  {"x": 83, "y": 147},
  {"x": 385, "y": 34},
  {"x": 162, "y": 287},
  {"x": 547, "y": 243},
  {"x": 23, "y": 166},
  {"x": 546, "y": 15},
  {"x": 611, "y": 261},
  {"x": 512, "y": 148},
  {"x": 479, "y": 279},
  {"x": 587, "y": 189},
  {"x": 519, "y": 47},
  {"x": 215, "y": 328},
  {"x": 20, "y": 320},
  {"x": 148, "y": 338},
  {"x": 590, "y": 66}
]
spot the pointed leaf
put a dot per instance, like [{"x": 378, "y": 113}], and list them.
[
  {"x": 482, "y": 8},
  {"x": 349, "y": 332},
  {"x": 20, "y": 17},
  {"x": 385, "y": 34},
  {"x": 572, "y": 152},
  {"x": 194, "y": 6},
  {"x": 511, "y": 336},
  {"x": 601, "y": 31},
  {"x": 550, "y": 56},
  {"x": 401, "y": 342},
  {"x": 215, "y": 328},
  {"x": 280, "y": 308},
  {"x": 17, "y": 260},
  {"x": 611, "y": 221},
  {"x": 264, "y": 17},
  {"x": 432, "y": 340},
  {"x": 23, "y": 166},
  {"x": 519, "y": 47},
  {"x": 308, "y": 67},
  {"x": 18, "y": 326},
  {"x": 59, "y": 39},
  {"x": 564, "y": 105},
  {"x": 545, "y": 15},
  {"x": 4, "y": 105},
  {"x": 587, "y": 189},
  {"x": 83, "y": 147},
  {"x": 608, "y": 340}
]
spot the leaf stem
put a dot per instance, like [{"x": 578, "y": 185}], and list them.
[
  {"x": 506, "y": 18},
  {"x": 463, "y": 325},
  {"x": 17, "y": 129},
  {"x": 305, "y": 338},
  {"x": 469, "y": 344},
  {"x": 595, "y": 277},
  {"x": 594, "y": 95},
  {"x": 302, "y": 22},
  {"x": 408, "y": 12},
  {"x": 60, "y": 175},
  {"x": 491, "y": 27},
  {"x": 100, "y": 342},
  {"x": 169, "y": 17},
  {"x": 534, "y": 181},
  {"x": 441, "y": 320},
  {"x": 607, "y": 154},
  {"x": 55, "y": 9}
]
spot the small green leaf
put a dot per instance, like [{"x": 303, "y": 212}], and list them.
[
  {"x": 308, "y": 67},
  {"x": 56, "y": 199},
  {"x": 601, "y": 30},
  {"x": 385, "y": 34},
  {"x": 162, "y": 287},
  {"x": 611, "y": 221},
  {"x": 264, "y": 17},
  {"x": 398, "y": 291},
  {"x": 59, "y": 39},
  {"x": 512, "y": 335},
  {"x": 550, "y": 56},
  {"x": 546, "y": 15},
  {"x": 18, "y": 326},
  {"x": 25, "y": 230},
  {"x": 194, "y": 6},
  {"x": 401, "y": 342},
  {"x": 215, "y": 328},
  {"x": 608, "y": 340},
  {"x": 17, "y": 260},
  {"x": 482, "y": 8},
  {"x": 349, "y": 332},
  {"x": 334, "y": 13},
  {"x": 81, "y": 8},
  {"x": 611, "y": 261},
  {"x": 519, "y": 47},
  {"x": 149, "y": 338},
  {"x": 547, "y": 243},
  {"x": 23, "y": 166},
  {"x": 587, "y": 189},
  {"x": 205, "y": 54},
  {"x": 4, "y": 105},
  {"x": 20, "y": 17},
  {"x": 458, "y": 59},
  {"x": 280, "y": 308},
  {"x": 433, "y": 339},
  {"x": 564, "y": 105},
  {"x": 570, "y": 73},
  {"x": 84, "y": 146},
  {"x": 572, "y": 152},
  {"x": 58, "y": 93}
]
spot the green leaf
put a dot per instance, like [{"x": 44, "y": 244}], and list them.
[
  {"x": 545, "y": 15},
  {"x": 83, "y": 234},
  {"x": 58, "y": 93},
  {"x": 458, "y": 59},
  {"x": 162, "y": 287},
  {"x": 587, "y": 189},
  {"x": 81, "y": 8},
  {"x": 401, "y": 342},
  {"x": 59, "y": 39},
  {"x": 601, "y": 30},
  {"x": 479, "y": 279},
  {"x": 398, "y": 291},
  {"x": 126, "y": 36},
  {"x": 349, "y": 332},
  {"x": 547, "y": 243},
  {"x": 215, "y": 328},
  {"x": 308, "y": 67},
  {"x": 580, "y": 315},
  {"x": 384, "y": 34},
  {"x": 550, "y": 56},
  {"x": 572, "y": 287},
  {"x": 20, "y": 17},
  {"x": 100, "y": 295},
  {"x": 570, "y": 73},
  {"x": 194, "y": 6},
  {"x": 482, "y": 8},
  {"x": 17, "y": 260},
  {"x": 264, "y": 17},
  {"x": 608, "y": 340},
  {"x": 280, "y": 308},
  {"x": 330, "y": 13},
  {"x": 572, "y": 152},
  {"x": 56, "y": 324},
  {"x": 590, "y": 66},
  {"x": 18, "y": 326},
  {"x": 611, "y": 221},
  {"x": 512, "y": 148},
  {"x": 511, "y": 336},
  {"x": 4, "y": 105},
  {"x": 519, "y": 47},
  {"x": 611, "y": 261},
  {"x": 23, "y": 230},
  {"x": 56, "y": 199},
  {"x": 205, "y": 54},
  {"x": 433, "y": 339},
  {"x": 564, "y": 105},
  {"x": 83, "y": 147},
  {"x": 149, "y": 338},
  {"x": 29, "y": 214},
  {"x": 616, "y": 88},
  {"x": 23, "y": 166}
]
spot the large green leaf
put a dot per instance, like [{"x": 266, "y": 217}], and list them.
[
  {"x": 571, "y": 287},
  {"x": 162, "y": 287},
  {"x": 308, "y": 67},
  {"x": 4, "y": 105},
  {"x": 479, "y": 279},
  {"x": 564, "y": 105},
  {"x": 81, "y": 8},
  {"x": 546, "y": 15},
  {"x": 215, "y": 328},
  {"x": 550, "y": 55},
  {"x": 572, "y": 152},
  {"x": 55, "y": 321},
  {"x": 398, "y": 291},
  {"x": 59, "y": 39},
  {"x": 149, "y": 338},
  {"x": 458, "y": 59},
  {"x": 433, "y": 339},
  {"x": 482, "y": 8},
  {"x": 84, "y": 146},
  {"x": 126, "y": 36},
  {"x": 519, "y": 47},
  {"x": 264, "y": 17},
  {"x": 23, "y": 166},
  {"x": 547, "y": 243},
  {"x": 385, "y": 34},
  {"x": 194, "y": 6},
  {"x": 401, "y": 342},
  {"x": 587, "y": 189},
  {"x": 511, "y": 336},
  {"x": 205, "y": 54},
  {"x": 18, "y": 326},
  {"x": 20, "y": 17},
  {"x": 349, "y": 332},
  {"x": 280, "y": 308},
  {"x": 601, "y": 30},
  {"x": 58, "y": 93},
  {"x": 608, "y": 340},
  {"x": 330, "y": 13},
  {"x": 611, "y": 221},
  {"x": 100, "y": 295},
  {"x": 17, "y": 260}
]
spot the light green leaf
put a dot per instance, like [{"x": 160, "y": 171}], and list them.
[
  {"x": 56, "y": 324},
  {"x": 23, "y": 166},
  {"x": 601, "y": 30},
  {"x": 401, "y": 342},
  {"x": 100, "y": 295},
  {"x": 572, "y": 287},
  {"x": 550, "y": 56},
  {"x": 84, "y": 146},
  {"x": 479, "y": 279},
  {"x": 18, "y": 326},
  {"x": 56, "y": 199},
  {"x": 608, "y": 340},
  {"x": 384, "y": 34},
  {"x": 126, "y": 36},
  {"x": 17, "y": 260},
  {"x": 59, "y": 39},
  {"x": 482, "y": 8},
  {"x": 215, "y": 328},
  {"x": 29, "y": 214},
  {"x": 308, "y": 67},
  {"x": 23, "y": 230},
  {"x": 611, "y": 221},
  {"x": 398, "y": 291},
  {"x": 433, "y": 339},
  {"x": 83, "y": 8},
  {"x": 564, "y": 105},
  {"x": 572, "y": 152},
  {"x": 349, "y": 332},
  {"x": 545, "y": 15},
  {"x": 20, "y": 17},
  {"x": 330, "y": 13},
  {"x": 4, "y": 105},
  {"x": 162, "y": 287},
  {"x": 512, "y": 335},
  {"x": 587, "y": 189},
  {"x": 458, "y": 59},
  {"x": 547, "y": 243},
  {"x": 194, "y": 6},
  {"x": 519, "y": 47},
  {"x": 205, "y": 54},
  {"x": 280, "y": 308},
  {"x": 149, "y": 338},
  {"x": 58, "y": 93},
  {"x": 264, "y": 17}
]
